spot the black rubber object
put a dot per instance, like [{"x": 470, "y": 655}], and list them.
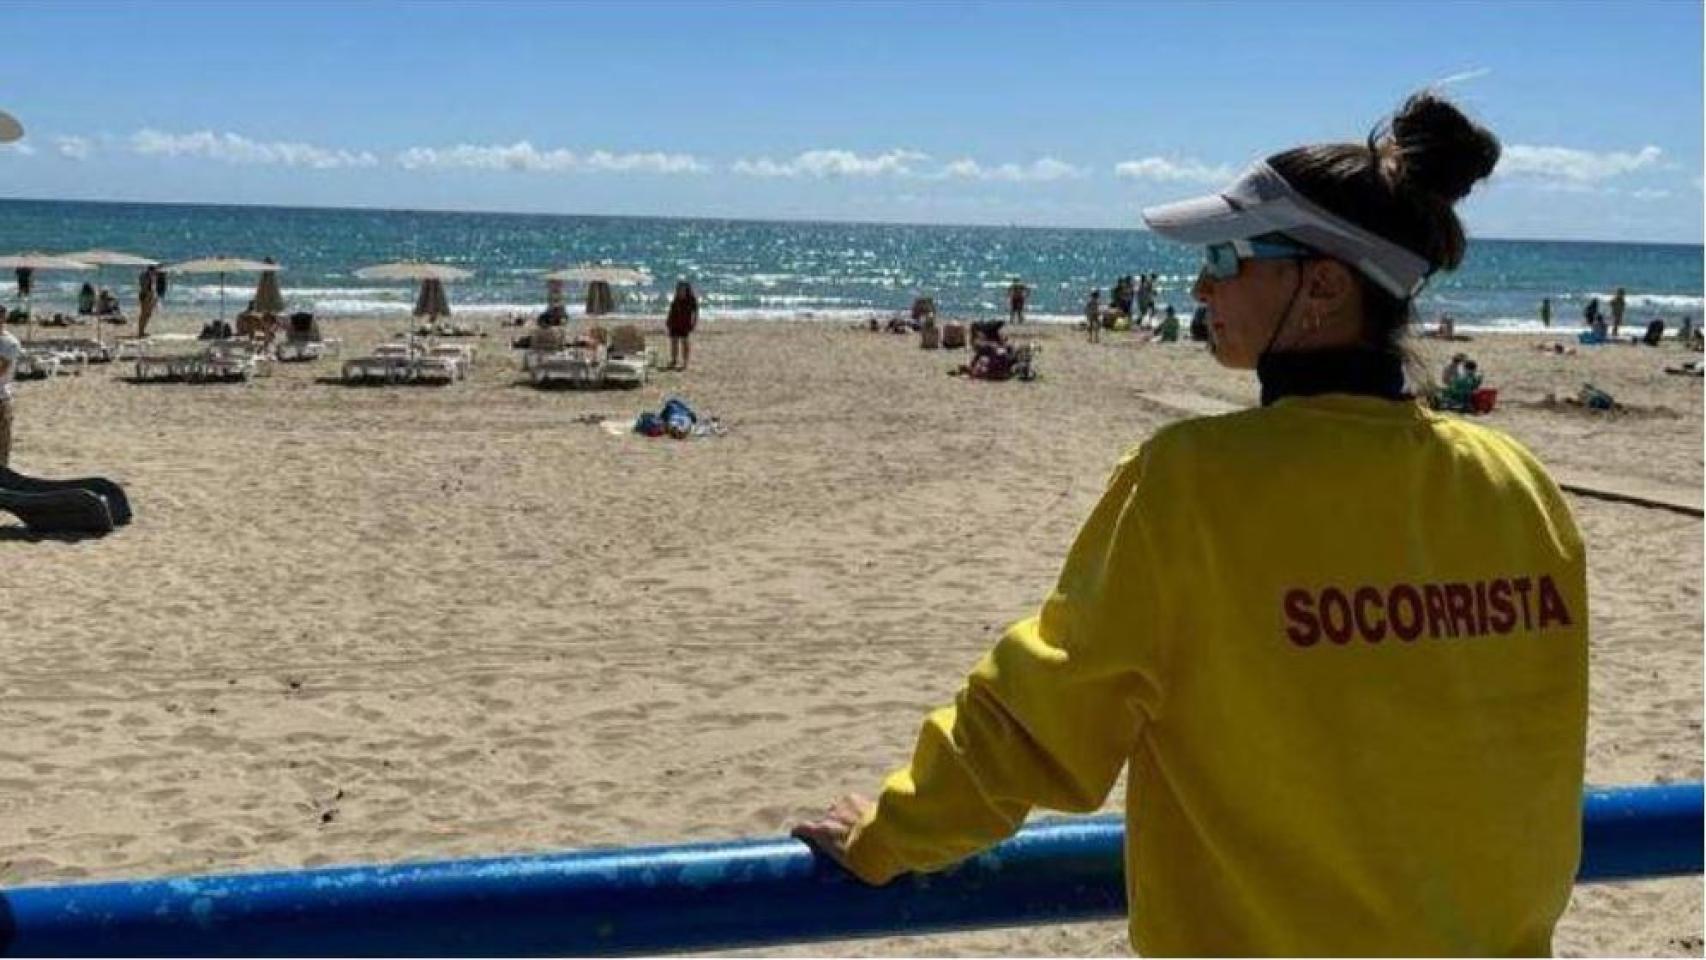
[{"x": 117, "y": 504}]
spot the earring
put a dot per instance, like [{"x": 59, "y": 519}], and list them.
[{"x": 1314, "y": 321}]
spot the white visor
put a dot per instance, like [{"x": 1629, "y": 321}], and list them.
[{"x": 1260, "y": 201}]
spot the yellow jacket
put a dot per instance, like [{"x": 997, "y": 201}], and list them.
[{"x": 1341, "y": 643}]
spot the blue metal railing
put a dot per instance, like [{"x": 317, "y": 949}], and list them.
[{"x": 694, "y": 897}]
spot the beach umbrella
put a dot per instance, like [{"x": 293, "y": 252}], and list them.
[
  {"x": 268, "y": 297},
  {"x": 10, "y": 128},
  {"x": 413, "y": 270},
  {"x": 599, "y": 278},
  {"x": 26, "y": 264},
  {"x": 431, "y": 301},
  {"x": 111, "y": 258},
  {"x": 223, "y": 266},
  {"x": 596, "y": 273}
]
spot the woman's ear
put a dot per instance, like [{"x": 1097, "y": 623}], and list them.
[{"x": 1331, "y": 286}]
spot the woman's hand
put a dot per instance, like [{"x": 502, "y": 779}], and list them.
[{"x": 831, "y": 832}]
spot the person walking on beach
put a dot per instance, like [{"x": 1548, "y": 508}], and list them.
[
  {"x": 1353, "y": 722},
  {"x": 10, "y": 351},
  {"x": 683, "y": 317},
  {"x": 1618, "y": 302},
  {"x": 1546, "y": 312},
  {"x": 1093, "y": 315},
  {"x": 1017, "y": 293}
]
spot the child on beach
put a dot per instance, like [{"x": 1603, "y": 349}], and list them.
[
  {"x": 1353, "y": 722},
  {"x": 1093, "y": 315}
]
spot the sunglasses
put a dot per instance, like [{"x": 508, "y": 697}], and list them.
[{"x": 1221, "y": 260}]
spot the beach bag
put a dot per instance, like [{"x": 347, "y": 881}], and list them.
[
  {"x": 930, "y": 337},
  {"x": 953, "y": 336},
  {"x": 678, "y": 418},
  {"x": 1483, "y": 400},
  {"x": 649, "y": 424}
]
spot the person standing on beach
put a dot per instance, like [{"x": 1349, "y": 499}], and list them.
[
  {"x": 1590, "y": 313},
  {"x": 146, "y": 298},
  {"x": 1093, "y": 315},
  {"x": 683, "y": 317},
  {"x": 1618, "y": 302},
  {"x": 10, "y": 351},
  {"x": 1546, "y": 312},
  {"x": 1016, "y": 294},
  {"x": 1338, "y": 642}
]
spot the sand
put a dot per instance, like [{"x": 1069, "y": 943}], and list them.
[{"x": 374, "y": 624}]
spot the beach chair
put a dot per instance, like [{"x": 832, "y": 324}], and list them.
[
  {"x": 1655, "y": 333},
  {"x": 389, "y": 362},
  {"x": 627, "y": 360},
  {"x": 580, "y": 364},
  {"x": 303, "y": 341},
  {"x": 238, "y": 358},
  {"x": 953, "y": 336},
  {"x": 36, "y": 365},
  {"x": 542, "y": 344},
  {"x": 462, "y": 353}
]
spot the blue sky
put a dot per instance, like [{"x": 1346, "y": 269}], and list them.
[{"x": 1050, "y": 114}]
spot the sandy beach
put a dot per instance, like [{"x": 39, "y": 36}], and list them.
[{"x": 374, "y": 624}]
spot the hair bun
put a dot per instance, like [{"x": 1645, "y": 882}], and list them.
[{"x": 1438, "y": 150}]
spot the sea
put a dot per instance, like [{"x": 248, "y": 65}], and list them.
[{"x": 765, "y": 270}]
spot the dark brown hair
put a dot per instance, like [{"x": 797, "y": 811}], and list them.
[{"x": 1401, "y": 184}]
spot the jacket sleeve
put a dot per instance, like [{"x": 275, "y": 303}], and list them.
[{"x": 1047, "y": 718}]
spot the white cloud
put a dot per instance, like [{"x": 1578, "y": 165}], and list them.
[
  {"x": 1566, "y": 164},
  {"x": 1648, "y": 193},
  {"x": 19, "y": 148},
  {"x": 75, "y": 148},
  {"x": 1463, "y": 77},
  {"x": 1048, "y": 168},
  {"x": 834, "y": 163},
  {"x": 1173, "y": 171},
  {"x": 524, "y": 157},
  {"x": 234, "y": 148}
]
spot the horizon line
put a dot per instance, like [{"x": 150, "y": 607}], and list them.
[{"x": 1135, "y": 228}]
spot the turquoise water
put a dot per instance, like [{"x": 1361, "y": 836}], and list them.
[{"x": 767, "y": 270}]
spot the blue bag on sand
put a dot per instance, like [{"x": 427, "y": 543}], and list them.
[
  {"x": 678, "y": 418},
  {"x": 649, "y": 424}
]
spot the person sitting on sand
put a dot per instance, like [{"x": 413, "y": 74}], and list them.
[
  {"x": 1168, "y": 330},
  {"x": 1281, "y": 623},
  {"x": 86, "y": 299},
  {"x": 106, "y": 304}
]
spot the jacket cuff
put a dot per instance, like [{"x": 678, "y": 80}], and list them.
[{"x": 868, "y": 855}]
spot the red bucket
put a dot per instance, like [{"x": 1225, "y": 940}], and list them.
[{"x": 1483, "y": 400}]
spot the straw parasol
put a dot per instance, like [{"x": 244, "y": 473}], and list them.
[
  {"x": 223, "y": 266},
  {"x": 10, "y": 128},
  {"x": 26, "y": 264},
  {"x": 599, "y": 278},
  {"x": 431, "y": 302},
  {"x": 268, "y": 297}
]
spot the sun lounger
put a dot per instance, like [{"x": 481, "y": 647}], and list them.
[
  {"x": 389, "y": 368},
  {"x": 627, "y": 360},
  {"x": 578, "y": 365}
]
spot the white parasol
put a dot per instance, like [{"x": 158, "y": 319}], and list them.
[
  {"x": 222, "y": 266},
  {"x": 596, "y": 273},
  {"x": 27, "y": 263},
  {"x": 113, "y": 258}
]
